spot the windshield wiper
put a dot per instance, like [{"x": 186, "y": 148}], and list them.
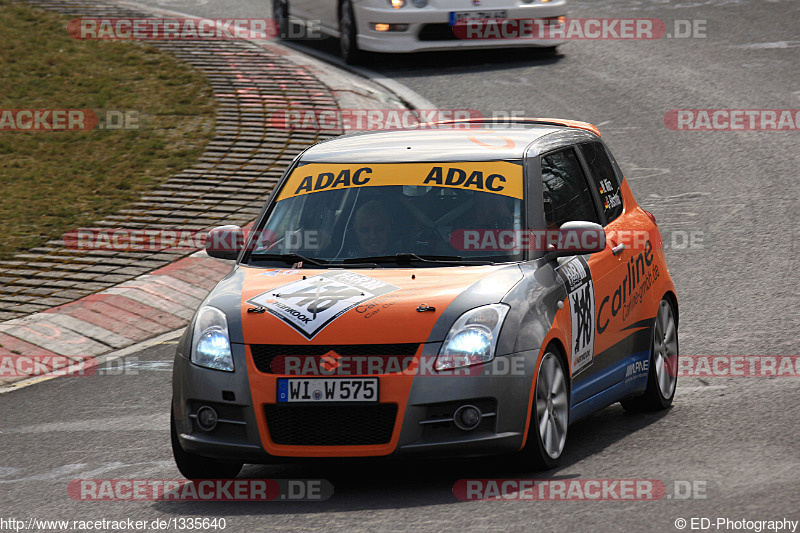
[
  {"x": 288, "y": 258},
  {"x": 408, "y": 258},
  {"x": 293, "y": 258}
]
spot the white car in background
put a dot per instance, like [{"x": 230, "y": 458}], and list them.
[{"x": 412, "y": 25}]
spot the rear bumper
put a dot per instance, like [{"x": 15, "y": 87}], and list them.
[{"x": 501, "y": 392}]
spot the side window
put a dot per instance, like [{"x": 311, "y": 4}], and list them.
[
  {"x": 605, "y": 180},
  {"x": 565, "y": 190}
]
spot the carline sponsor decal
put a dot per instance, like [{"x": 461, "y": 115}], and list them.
[
  {"x": 311, "y": 304},
  {"x": 642, "y": 273},
  {"x": 496, "y": 177},
  {"x": 580, "y": 289}
]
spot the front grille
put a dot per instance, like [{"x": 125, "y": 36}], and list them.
[
  {"x": 360, "y": 359},
  {"x": 437, "y": 32},
  {"x": 331, "y": 425}
]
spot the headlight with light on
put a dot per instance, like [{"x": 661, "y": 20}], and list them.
[
  {"x": 211, "y": 345},
  {"x": 473, "y": 338},
  {"x": 397, "y": 4}
]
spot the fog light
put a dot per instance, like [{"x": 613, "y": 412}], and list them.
[
  {"x": 383, "y": 26},
  {"x": 206, "y": 418},
  {"x": 467, "y": 417}
]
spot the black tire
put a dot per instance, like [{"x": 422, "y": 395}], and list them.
[
  {"x": 348, "y": 38},
  {"x": 662, "y": 378},
  {"x": 540, "y": 452},
  {"x": 280, "y": 13},
  {"x": 196, "y": 466}
]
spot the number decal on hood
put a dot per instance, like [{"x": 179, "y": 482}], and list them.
[{"x": 311, "y": 304}]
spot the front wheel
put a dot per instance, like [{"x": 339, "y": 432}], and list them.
[
  {"x": 547, "y": 434},
  {"x": 196, "y": 466},
  {"x": 348, "y": 34},
  {"x": 662, "y": 377}
]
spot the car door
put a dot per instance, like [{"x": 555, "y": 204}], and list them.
[
  {"x": 568, "y": 195},
  {"x": 621, "y": 327},
  {"x": 324, "y": 11}
]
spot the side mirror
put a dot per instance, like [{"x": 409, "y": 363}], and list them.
[
  {"x": 578, "y": 237},
  {"x": 225, "y": 242}
]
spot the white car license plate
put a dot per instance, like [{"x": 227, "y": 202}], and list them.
[
  {"x": 457, "y": 17},
  {"x": 327, "y": 390}
]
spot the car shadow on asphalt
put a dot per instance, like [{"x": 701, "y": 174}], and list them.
[
  {"x": 367, "y": 484},
  {"x": 422, "y": 64}
]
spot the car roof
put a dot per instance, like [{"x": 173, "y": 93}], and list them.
[{"x": 464, "y": 140}]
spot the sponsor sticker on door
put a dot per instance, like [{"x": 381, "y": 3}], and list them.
[{"x": 580, "y": 288}]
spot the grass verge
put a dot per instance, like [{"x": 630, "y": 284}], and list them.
[{"x": 53, "y": 181}]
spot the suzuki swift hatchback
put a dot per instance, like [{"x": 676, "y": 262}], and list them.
[{"x": 462, "y": 291}]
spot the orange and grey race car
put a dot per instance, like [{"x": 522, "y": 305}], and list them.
[{"x": 468, "y": 289}]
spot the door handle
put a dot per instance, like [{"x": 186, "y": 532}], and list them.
[{"x": 616, "y": 250}]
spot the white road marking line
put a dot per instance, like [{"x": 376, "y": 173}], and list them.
[{"x": 100, "y": 359}]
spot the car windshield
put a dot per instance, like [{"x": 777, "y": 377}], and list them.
[{"x": 416, "y": 213}]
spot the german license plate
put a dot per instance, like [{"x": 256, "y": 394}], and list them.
[
  {"x": 292, "y": 390},
  {"x": 460, "y": 17}
]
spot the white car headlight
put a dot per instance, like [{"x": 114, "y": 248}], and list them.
[
  {"x": 473, "y": 338},
  {"x": 211, "y": 345}
]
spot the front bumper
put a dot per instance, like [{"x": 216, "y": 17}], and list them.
[
  {"x": 427, "y": 25},
  {"x": 424, "y": 403}
]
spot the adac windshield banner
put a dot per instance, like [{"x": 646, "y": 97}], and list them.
[{"x": 496, "y": 177}]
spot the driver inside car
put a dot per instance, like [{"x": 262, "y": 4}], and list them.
[
  {"x": 492, "y": 211},
  {"x": 372, "y": 225}
]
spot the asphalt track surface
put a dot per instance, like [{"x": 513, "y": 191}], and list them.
[{"x": 736, "y": 439}]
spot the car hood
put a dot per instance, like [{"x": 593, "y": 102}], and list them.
[{"x": 362, "y": 306}]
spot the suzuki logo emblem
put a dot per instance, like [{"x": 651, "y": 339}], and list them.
[
  {"x": 330, "y": 361},
  {"x": 476, "y": 2}
]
